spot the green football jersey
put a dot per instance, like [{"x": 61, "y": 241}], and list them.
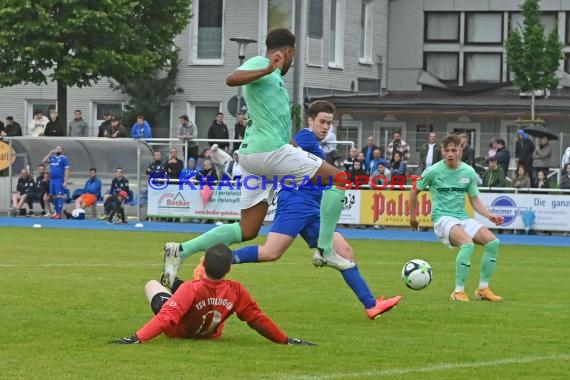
[
  {"x": 268, "y": 109},
  {"x": 448, "y": 187}
]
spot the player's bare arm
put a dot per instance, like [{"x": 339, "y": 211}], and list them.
[
  {"x": 482, "y": 210},
  {"x": 243, "y": 77}
]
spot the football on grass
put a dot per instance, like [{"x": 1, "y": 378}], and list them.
[{"x": 416, "y": 274}]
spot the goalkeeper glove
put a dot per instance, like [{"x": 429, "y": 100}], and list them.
[
  {"x": 299, "y": 342},
  {"x": 132, "y": 340}
]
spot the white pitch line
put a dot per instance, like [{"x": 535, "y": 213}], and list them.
[
  {"x": 440, "y": 367},
  {"x": 82, "y": 265}
]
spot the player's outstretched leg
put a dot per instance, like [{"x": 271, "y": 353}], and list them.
[
  {"x": 488, "y": 265},
  {"x": 462, "y": 268}
]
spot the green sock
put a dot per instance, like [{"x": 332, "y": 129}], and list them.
[
  {"x": 331, "y": 207},
  {"x": 463, "y": 265},
  {"x": 489, "y": 261},
  {"x": 225, "y": 234}
]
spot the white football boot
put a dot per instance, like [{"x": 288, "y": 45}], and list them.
[
  {"x": 172, "y": 263},
  {"x": 334, "y": 261}
]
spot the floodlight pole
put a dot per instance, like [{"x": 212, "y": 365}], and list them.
[{"x": 242, "y": 44}]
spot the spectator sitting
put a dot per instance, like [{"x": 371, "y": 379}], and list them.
[
  {"x": 494, "y": 176},
  {"x": 207, "y": 175},
  {"x": 356, "y": 171},
  {"x": 45, "y": 187},
  {"x": 24, "y": 187},
  {"x": 232, "y": 170},
  {"x": 54, "y": 127},
  {"x": 398, "y": 166},
  {"x": 174, "y": 165},
  {"x": 11, "y": 128},
  {"x": 205, "y": 155},
  {"x": 116, "y": 130},
  {"x": 114, "y": 207},
  {"x": 118, "y": 184},
  {"x": 91, "y": 191},
  {"x": 565, "y": 158},
  {"x": 157, "y": 166},
  {"x": 141, "y": 129},
  {"x": 360, "y": 157},
  {"x": 381, "y": 175},
  {"x": 521, "y": 180},
  {"x": 541, "y": 180},
  {"x": 565, "y": 177},
  {"x": 376, "y": 158},
  {"x": 41, "y": 190},
  {"x": 191, "y": 170},
  {"x": 352, "y": 154},
  {"x": 38, "y": 124}
]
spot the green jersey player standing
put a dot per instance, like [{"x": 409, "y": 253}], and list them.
[
  {"x": 448, "y": 181},
  {"x": 266, "y": 156}
]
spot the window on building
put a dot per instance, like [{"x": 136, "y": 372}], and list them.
[
  {"x": 549, "y": 20},
  {"x": 568, "y": 28},
  {"x": 483, "y": 67},
  {"x": 567, "y": 63},
  {"x": 209, "y": 33},
  {"x": 441, "y": 27},
  {"x": 366, "y": 31},
  {"x": 444, "y": 66},
  {"x": 336, "y": 34},
  {"x": 315, "y": 19},
  {"x": 484, "y": 28},
  {"x": 204, "y": 115},
  {"x": 274, "y": 14}
]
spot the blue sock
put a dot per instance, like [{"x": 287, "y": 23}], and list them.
[
  {"x": 354, "y": 280},
  {"x": 249, "y": 254},
  {"x": 58, "y": 205}
]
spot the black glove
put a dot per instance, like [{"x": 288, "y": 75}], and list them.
[
  {"x": 299, "y": 342},
  {"x": 132, "y": 340}
]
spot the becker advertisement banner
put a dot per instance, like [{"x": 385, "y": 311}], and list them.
[
  {"x": 551, "y": 212},
  {"x": 224, "y": 204}
]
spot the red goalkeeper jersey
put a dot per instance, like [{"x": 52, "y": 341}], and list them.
[{"x": 199, "y": 309}]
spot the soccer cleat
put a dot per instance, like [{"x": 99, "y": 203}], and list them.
[
  {"x": 334, "y": 261},
  {"x": 199, "y": 271},
  {"x": 487, "y": 295},
  {"x": 55, "y": 216},
  {"x": 459, "y": 296},
  {"x": 171, "y": 264},
  {"x": 382, "y": 306}
]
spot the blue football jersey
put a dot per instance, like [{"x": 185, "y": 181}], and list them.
[{"x": 57, "y": 165}]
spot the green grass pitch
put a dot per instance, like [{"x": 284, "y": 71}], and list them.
[{"x": 66, "y": 293}]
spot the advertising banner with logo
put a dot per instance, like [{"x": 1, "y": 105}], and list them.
[
  {"x": 391, "y": 208},
  {"x": 537, "y": 211},
  {"x": 205, "y": 203}
]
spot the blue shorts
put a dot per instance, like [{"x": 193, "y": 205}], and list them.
[
  {"x": 56, "y": 186},
  {"x": 293, "y": 223}
]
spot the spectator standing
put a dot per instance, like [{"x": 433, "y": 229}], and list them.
[
  {"x": 239, "y": 129},
  {"x": 37, "y": 126},
  {"x": 59, "y": 174},
  {"x": 468, "y": 155},
  {"x": 541, "y": 156},
  {"x": 398, "y": 145},
  {"x": 565, "y": 177},
  {"x": 157, "y": 166},
  {"x": 328, "y": 147},
  {"x": 368, "y": 151},
  {"x": 494, "y": 176},
  {"x": 188, "y": 132},
  {"x": 116, "y": 130},
  {"x": 352, "y": 154},
  {"x": 521, "y": 180},
  {"x": 398, "y": 166},
  {"x": 502, "y": 154},
  {"x": 105, "y": 126},
  {"x": 11, "y": 128},
  {"x": 54, "y": 128},
  {"x": 141, "y": 129},
  {"x": 174, "y": 165},
  {"x": 430, "y": 152},
  {"x": 524, "y": 148},
  {"x": 78, "y": 127},
  {"x": 219, "y": 130}
]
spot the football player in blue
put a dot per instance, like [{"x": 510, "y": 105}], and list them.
[
  {"x": 298, "y": 214},
  {"x": 59, "y": 174}
]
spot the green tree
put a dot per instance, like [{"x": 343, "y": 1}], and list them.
[
  {"x": 149, "y": 94},
  {"x": 77, "y": 42},
  {"x": 532, "y": 57}
]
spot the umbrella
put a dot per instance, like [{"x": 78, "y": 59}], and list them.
[
  {"x": 528, "y": 217},
  {"x": 538, "y": 130}
]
